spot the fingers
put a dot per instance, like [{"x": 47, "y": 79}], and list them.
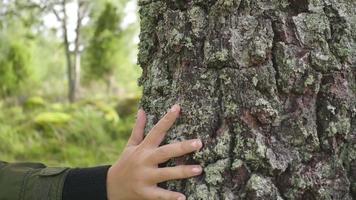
[
  {"x": 178, "y": 172},
  {"x": 156, "y": 135},
  {"x": 162, "y": 194},
  {"x": 138, "y": 131},
  {"x": 166, "y": 152}
]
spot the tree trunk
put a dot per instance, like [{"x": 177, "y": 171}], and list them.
[
  {"x": 82, "y": 12},
  {"x": 110, "y": 83},
  {"x": 268, "y": 85},
  {"x": 77, "y": 74},
  {"x": 70, "y": 70},
  {"x": 73, "y": 70},
  {"x": 77, "y": 52}
]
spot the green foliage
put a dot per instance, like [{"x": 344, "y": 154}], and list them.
[
  {"x": 15, "y": 63},
  {"x": 62, "y": 134},
  {"x": 104, "y": 47},
  {"x": 49, "y": 68},
  {"x": 33, "y": 64}
]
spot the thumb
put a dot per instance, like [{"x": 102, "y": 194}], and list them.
[{"x": 138, "y": 130}]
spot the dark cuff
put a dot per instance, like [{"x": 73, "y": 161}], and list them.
[{"x": 86, "y": 184}]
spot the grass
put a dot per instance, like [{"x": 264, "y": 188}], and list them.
[{"x": 87, "y": 133}]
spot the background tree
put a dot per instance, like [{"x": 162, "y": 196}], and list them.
[
  {"x": 103, "y": 48},
  {"x": 270, "y": 88},
  {"x": 73, "y": 67},
  {"x": 28, "y": 16}
]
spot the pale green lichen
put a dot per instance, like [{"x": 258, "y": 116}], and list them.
[
  {"x": 188, "y": 43},
  {"x": 252, "y": 150},
  {"x": 214, "y": 173},
  {"x": 312, "y": 27},
  {"x": 219, "y": 150},
  {"x": 216, "y": 58},
  {"x": 237, "y": 164},
  {"x": 262, "y": 44},
  {"x": 203, "y": 192},
  {"x": 221, "y": 55},
  {"x": 309, "y": 81},
  {"x": 148, "y": 25},
  {"x": 222, "y": 146},
  {"x": 264, "y": 111},
  {"x": 261, "y": 147},
  {"x": 251, "y": 42},
  {"x": 198, "y": 18},
  {"x": 261, "y": 188},
  {"x": 323, "y": 60},
  {"x": 287, "y": 65},
  {"x": 342, "y": 126},
  {"x": 255, "y": 81},
  {"x": 314, "y": 32},
  {"x": 175, "y": 38},
  {"x": 270, "y": 5},
  {"x": 316, "y": 6},
  {"x": 225, "y": 6}
]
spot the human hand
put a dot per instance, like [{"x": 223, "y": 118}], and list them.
[{"x": 136, "y": 174}]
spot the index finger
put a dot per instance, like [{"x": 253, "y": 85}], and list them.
[{"x": 157, "y": 133}]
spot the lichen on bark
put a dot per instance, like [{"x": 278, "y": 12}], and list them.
[{"x": 269, "y": 86}]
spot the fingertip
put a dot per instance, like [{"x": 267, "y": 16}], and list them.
[
  {"x": 139, "y": 128},
  {"x": 176, "y": 108},
  {"x": 141, "y": 115},
  {"x": 182, "y": 198},
  {"x": 197, "y": 144},
  {"x": 197, "y": 170},
  {"x": 141, "y": 112}
]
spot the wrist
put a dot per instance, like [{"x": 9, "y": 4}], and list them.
[
  {"x": 86, "y": 183},
  {"x": 108, "y": 184}
]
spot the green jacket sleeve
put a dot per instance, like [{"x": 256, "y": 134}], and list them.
[{"x": 31, "y": 181}]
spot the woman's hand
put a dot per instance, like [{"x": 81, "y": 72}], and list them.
[{"x": 136, "y": 175}]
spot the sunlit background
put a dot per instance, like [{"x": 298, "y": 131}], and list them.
[{"x": 68, "y": 80}]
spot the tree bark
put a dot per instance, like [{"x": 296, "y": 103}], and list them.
[{"x": 268, "y": 85}]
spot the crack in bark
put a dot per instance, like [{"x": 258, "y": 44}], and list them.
[
  {"x": 319, "y": 128},
  {"x": 274, "y": 57}
]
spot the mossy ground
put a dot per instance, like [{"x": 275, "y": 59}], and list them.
[{"x": 87, "y": 133}]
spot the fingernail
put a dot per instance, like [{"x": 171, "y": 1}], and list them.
[
  {"x": 140, "y": 112},
  {"x": 197, "y": 170},
  {"x": 175, "y": 108},
  {"x": 197, "y": 144},
  {"x": 181, "y": 198}
]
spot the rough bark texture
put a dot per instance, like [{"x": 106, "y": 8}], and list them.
[{"x": 268, "y": 85}]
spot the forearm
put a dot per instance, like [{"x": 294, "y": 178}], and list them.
[
  {"x": 35, "y": 181},
  {"x": 29, "y": 181}
]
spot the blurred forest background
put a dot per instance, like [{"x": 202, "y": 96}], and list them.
[{"x": 68, "y": 80}]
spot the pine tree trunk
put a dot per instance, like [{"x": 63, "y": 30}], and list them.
[{"x": 268, "y": 85}]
